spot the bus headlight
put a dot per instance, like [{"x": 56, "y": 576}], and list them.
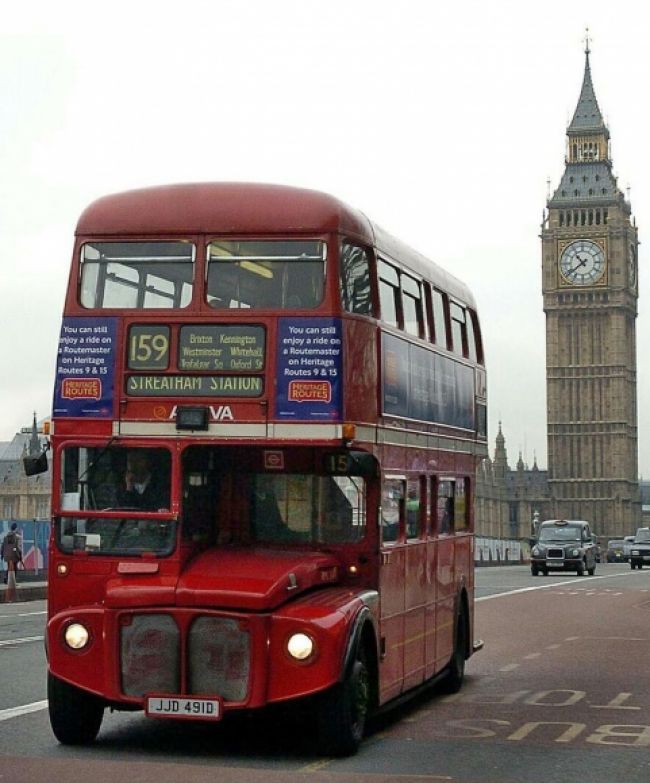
[
  {"x": 537, "y": 551},
  {"x": 76, "y": 636},
  {"x": 300, "y": 646}
]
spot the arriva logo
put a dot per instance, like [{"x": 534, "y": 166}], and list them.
[{"x": 217, "y": 413}]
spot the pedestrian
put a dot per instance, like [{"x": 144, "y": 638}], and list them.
[{"x": 11, "y": 551}]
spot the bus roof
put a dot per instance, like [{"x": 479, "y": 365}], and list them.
[{"x": 249, "y": 208}]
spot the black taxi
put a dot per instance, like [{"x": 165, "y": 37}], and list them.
[{"x": 563, "y": 545}]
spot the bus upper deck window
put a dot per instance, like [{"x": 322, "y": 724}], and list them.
[
  {"x": 412, "y": 306},
  {"x": 275, "y": 274},
  {"x": 458, "y": 329},
  {"x": 439, "y": 321},
  {"x": 356, "y": 295},
  {"x": 389, "y": 293},
  {"x": 136, "y": 275}
]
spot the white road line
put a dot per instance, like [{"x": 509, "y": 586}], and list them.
[
  {"x": 544, "y": 587},
  {"x": 509, "y": 667},
  {"x": 21, "y": 614},
  {"x": 16, "y": 712},
  {"x": 24, "y": 640}
]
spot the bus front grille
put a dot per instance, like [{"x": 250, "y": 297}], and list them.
[
  {"x": 149, "y": 654},
  {"x": 218, "y": 653},
  {"x": 219, "y": 658}
]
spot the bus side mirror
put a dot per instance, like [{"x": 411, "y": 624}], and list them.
[{"x": 35, "y": 465}]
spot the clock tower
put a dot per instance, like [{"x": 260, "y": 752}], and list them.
[{"x": 589, "y": 283}]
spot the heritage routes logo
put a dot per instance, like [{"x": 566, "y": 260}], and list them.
[
  {"x": 310, "y": 391},
  {"x": 73, "y": 389}
]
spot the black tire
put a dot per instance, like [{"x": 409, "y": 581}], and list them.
[
  {"x": 75, "y": 716},
  {"x": 343, "y": 711},
  {"x": 591, "y": 571},
  {"x": 453, "y": 681},
  {"x": 580, "y": 570},
  {"x": 534, "y": 570}
]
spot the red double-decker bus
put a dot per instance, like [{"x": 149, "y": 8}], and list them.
[{"x": 266, "y": 423}]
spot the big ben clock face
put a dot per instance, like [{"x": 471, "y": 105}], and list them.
[{"x": 582, "y": 262}]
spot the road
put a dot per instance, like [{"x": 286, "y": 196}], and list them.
[{"x": 559, "y": 694}]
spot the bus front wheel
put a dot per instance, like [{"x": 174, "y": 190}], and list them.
[
  {"x": 343, "y": 711},
  {"x": 75, "y": 716}
]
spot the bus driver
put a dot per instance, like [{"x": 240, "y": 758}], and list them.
[{"x": 142, "y": 489}]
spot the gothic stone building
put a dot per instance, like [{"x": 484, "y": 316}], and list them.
[
  {"x": 589, "y": 284},
  {"x": 590, "y": 289},
  {"x": 22, "y": 498}
]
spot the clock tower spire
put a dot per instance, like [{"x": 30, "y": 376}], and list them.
[{"x": 589, "y": 283}]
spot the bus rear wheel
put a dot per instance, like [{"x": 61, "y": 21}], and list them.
[
  {"x": 453, "y": 681},
  {"x": 75, "y": 716},
  {"x": 343, "y": 711}
]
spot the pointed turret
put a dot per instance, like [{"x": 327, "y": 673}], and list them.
[
  {"x": 587, "y": 116},
  {"x": 34, "y": 441},
  {"x": 588, "y": 177},
  {"x": 500, "y": 456}
]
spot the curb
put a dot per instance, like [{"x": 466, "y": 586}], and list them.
[{"x": 24, "y": 592}]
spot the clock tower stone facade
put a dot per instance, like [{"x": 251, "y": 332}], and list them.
[{"x": 589, "y": 283}]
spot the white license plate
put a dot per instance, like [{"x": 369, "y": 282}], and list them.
[
  {"x": 182, "y": 707},
  {"x": 554, "y": 563}
]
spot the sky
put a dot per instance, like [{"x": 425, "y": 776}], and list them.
[{"x": 444, "y": 123}]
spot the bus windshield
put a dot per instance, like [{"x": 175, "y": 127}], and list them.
[
  {"x": 133, "y": 482},
  {"x": 307, "y": 508}
]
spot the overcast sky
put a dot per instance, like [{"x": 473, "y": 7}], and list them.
[{"x": 442, "y": 122}]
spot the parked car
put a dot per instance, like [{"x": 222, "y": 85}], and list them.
[
  {"x": 563, "y": 545},
  {"x": 616, "y": 550},
  {"x": 640, "y": 549}
]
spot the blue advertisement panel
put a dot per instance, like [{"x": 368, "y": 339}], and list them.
[
  {"x": 309, "y": 370},
  {"x": 34, "y": 537},
  {"x": 423, "y": 385},
  {"x": 85, "y": 368}
]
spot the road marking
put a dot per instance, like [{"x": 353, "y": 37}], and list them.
[
  {"x": 612, "y": 638},
  {"x": 24, "y": 640},
  {"x": 531, "y": 656},
  {"x": 16, "y": 712},
  {"x": 509, "y": 667},
  {"x": 21, "y": 614},
  {"x": 545, "y": 587}
]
